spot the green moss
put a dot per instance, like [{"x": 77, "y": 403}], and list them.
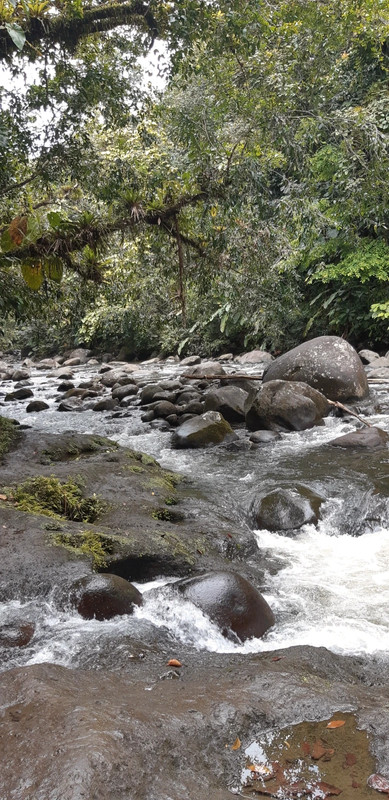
[
  {"x": 162, "y": 514},
  {"x": 46, "y": 495},
  {"x": 148, "y": 461},
  {"x": 170, "y": 501},
  {"x": 135, "y": 469},
  {"x": 95, "y": 545},
  {"x": 9, "y": 435},
  {"x": 164, "y": 480},
  {"x": 74, "y": 446}
]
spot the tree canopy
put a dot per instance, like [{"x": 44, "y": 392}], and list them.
[{"x": 244, "y": 203}]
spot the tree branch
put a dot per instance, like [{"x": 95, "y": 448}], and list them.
[{"x": 67, "y": 31}]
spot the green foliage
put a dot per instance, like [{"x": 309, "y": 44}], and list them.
[{"x": 48, "y": 496}]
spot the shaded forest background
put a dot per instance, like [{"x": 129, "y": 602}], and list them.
[{"x": 243, "y": 204}]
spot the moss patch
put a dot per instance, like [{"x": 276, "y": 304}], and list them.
[
  {"x": 95, "y": 545},
  {"x": 75, "y": 446},
  {"x": 9, "y": 434},
  {"x": 46, "y": 495}
]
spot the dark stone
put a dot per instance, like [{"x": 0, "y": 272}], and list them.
[
  {"x": 147, "y": 416},
  {"x": 65, "y": 386},
  {"x": 285, "y": 509},
  {"x": 187, "y": 397},
  {"x": 327, "y": 363},
  {"x": 369, "y": 438},
  {"x": 231, "y": 602},
  {"x": 209, "y": 428},
  {"x": 164, "y": 409},
  {"x": 37, "y": 405},
  {"x": 72, "y": 404},
  {"x": 148, "y": 392},
  {"x": 172, "y": 419},
  {"x": 229, "y": 401},
  {"x": 195, "y": 407},
  {"x": 124, "y": 391},
  {"x": 16, "y": 635},
  {"x": 19, "y": 394},
  {"x": 105, "y": 596},
  {"x": 286, "y": 406},
  {"x": 106, "y": 405}
]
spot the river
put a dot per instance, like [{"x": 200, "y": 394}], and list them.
[{"x": 327, "y": 584}]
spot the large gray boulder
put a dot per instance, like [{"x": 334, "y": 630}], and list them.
[
  {"x": 285, "y": 509},
  {"x": 230, "y": 601},
  {"x": 208, "y": 428},
  {"x": 229, "y": 401},
  {"x": 327, "y": 363},
  {"x": 286, "y": 406},
  {"x": 255, "y": 357}
]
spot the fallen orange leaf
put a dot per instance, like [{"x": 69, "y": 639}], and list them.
[
  {"x": 336, "y": 723},
  {"x": 237, "y": 744},
  {"x": 174, "y": 663}
]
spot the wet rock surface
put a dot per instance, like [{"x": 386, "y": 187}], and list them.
[
  {"x": 284, "y": 406},
  {"x": 327, "y": 363}
]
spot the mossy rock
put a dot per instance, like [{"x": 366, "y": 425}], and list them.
[
  {"x": 72, "y": 446},
  {"x": 9, "y": 435},
  {"x": 87, "y": 543},
  {"x": 48, "y": 496},
  {"x": 209, "y": 428}
]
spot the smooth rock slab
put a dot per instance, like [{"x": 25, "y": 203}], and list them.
[
  {"x": 327, "y": 363},
  {"x": 231, "y": 601},
  {"x": 370, "y": 438},
  {"x": 208, "y": 428}
]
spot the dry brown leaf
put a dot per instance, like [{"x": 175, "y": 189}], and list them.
[
  {"x": 3, "y": 497},
  {"x": 237, "y": 744},
  {"x": 328, "y": 789},
  {"x": 336, "y": 723},
  {"x": 318, "y": 751},
  {"x": 174, "y": 663},
  {"x": 17, "y": 229},
  {"x": 349, "y": 760}
]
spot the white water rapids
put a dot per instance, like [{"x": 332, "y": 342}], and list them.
[{"x": 330, "y": 587}]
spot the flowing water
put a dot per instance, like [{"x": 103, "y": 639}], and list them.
[{"x": 327, "y": 584}]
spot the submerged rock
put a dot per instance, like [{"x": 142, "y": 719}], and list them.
[
  {"x": 208, "y": 428},
  {"x": 327, "y": 363},
  {"x": 231, "y": 601},
  {"x": 286, "y": 406},
  {"x": 105, "y": 596}
]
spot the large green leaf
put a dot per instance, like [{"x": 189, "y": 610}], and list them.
[
  {"x": 17, "y": 34},
  {"x": 54, "y": 270},
  {"x": 33, "y": 274}
]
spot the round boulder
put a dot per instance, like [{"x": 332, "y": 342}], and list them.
[
  {"x": 285, "y": 509},
  {"x": 285, "y": 406},
  {"x": 105, "y": 596},
  {"x": 208, "y": 428},
  {"x": 37, "y": 405},
  {"x": 231, "y": 602},
  {"x": 327, "y": 363}
]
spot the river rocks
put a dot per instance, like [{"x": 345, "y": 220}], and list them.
[
  {"x": 230, "y": 601},
  {"x": 65, "y": 386},
  {"x": 285, "y": 510},
  {"x": 19, "y": 394},
  {"x": 21, "y": 375},
  {"x": 190, "y": 361},
  {"x": 207, "y": 368},
  {"x": 369, "y": 438},
  {"x": 378, "y": 363},
  {"x": 229, "y": 401},
  {"x": 124, "y": 391},
  {"x": 47, "y": 363},
  {"x": 255, "y": 357},
  {"x": 286, "y": 406},
  {"x": 37, "y": 405},
  {"x": 106, "y": 405},
  {"x": 71, "y": 404},
  {"x": 105, "y": 596},
  {"x": 264, "y": 437},
  {"x": 163, "y": 409},
  {"x": 80, "y": 353},
  {"x": 327, "y": 363},
  {"x": 208, "y": 428},
  {"x": 368, "y": 356}
]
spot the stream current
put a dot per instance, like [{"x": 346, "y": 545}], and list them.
[{"x": 327, "y": 585}]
